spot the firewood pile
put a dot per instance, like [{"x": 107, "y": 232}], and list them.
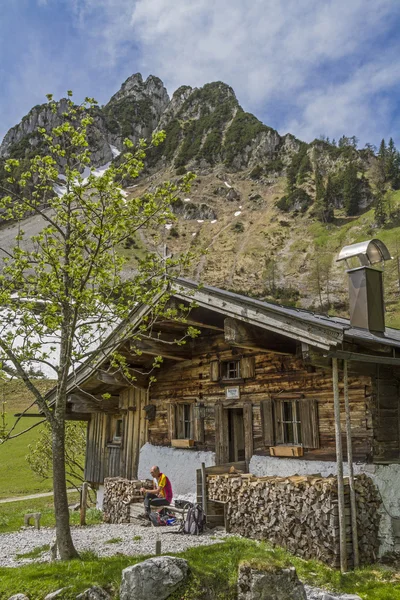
[
  {"x": 119, "y": 494},
  {"x": 299, "y": 513}
]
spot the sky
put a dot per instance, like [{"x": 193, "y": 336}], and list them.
[{"x": 308, "y": 67}]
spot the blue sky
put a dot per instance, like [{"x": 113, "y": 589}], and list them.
[{"x": 308, "y": 67}]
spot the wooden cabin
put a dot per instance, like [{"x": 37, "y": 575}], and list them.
[{"x": 256, "y": 384}]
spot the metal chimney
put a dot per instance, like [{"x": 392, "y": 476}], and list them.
[{"x": 367, "y": 306}]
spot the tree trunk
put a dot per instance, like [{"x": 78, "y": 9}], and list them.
[{"x": 63, "y": 532}]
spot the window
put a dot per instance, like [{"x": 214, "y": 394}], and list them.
[
  {"x": 116, "y": 429},
  {"x": 184, "y": 421},
  {"x": 290, "y": 422},
  {"x": 291, "y": 426},
  {"x": 231, "y": 369}
]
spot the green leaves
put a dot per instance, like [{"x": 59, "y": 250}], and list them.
[{"x": 64, "y": 286}]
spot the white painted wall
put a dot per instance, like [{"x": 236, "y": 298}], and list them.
[
  {"x": 385, "y": 477},
  {"x": 100, "y": 497},
  {"x": 179, "y": 465}
]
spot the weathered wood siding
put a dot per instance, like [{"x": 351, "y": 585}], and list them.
[
  {"x": 386, "y": 416},
  {"x": 274, "y": 374},
  {"x": 107, "y": 459}
]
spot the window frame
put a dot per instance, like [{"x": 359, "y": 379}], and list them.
[
  {"x": 305, "y": 415},
  {"x": 184, "y": 419},
  {"x": 294, "y": 421},
  {"x": 226, "y": 370},
  {"x": 116, "y": 425}
]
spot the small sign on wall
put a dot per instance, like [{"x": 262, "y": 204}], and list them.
[{"x": 232, "y": 393}]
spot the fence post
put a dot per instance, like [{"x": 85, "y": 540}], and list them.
[{"x": 84, "y": 495}]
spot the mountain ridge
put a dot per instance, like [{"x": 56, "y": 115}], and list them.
[{"x": 262, "y": 203}]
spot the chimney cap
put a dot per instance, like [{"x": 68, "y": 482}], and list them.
[{"x": 368, "y": 253}]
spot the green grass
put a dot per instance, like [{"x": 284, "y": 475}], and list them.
[
  {"x": 213, "y": 573},
  {"x": 12, "y": 513},
  {"x": 137, "y": 538},
  {"x": 116, "y": 540},
  {"x": 16, "y": 477},
  {"x": 35, "y": 553}
]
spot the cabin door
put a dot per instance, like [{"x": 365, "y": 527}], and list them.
[{"x": 236, "y": 434}]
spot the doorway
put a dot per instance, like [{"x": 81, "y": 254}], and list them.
[{"x": 236, "y": 434}]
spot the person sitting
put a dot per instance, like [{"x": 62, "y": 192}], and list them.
[{"x": 161, "y": 495}]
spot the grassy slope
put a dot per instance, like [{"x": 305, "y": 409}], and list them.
[
  {"x": 12, "y": 513},
  {"x": 16, "y": 478},
  {"x": 213, "y": 574}
]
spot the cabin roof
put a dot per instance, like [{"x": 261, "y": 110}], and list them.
[
  {"x": 390, "y": 337},
  {"x": 318, "y": 330}
]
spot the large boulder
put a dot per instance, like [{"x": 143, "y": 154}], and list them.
[
  {"x": 269, "y": 583},
  {"x": 157, "y": 578}
]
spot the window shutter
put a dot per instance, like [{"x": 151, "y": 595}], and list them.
[
  {"x": 309, "y": 422},
  {"x": 267, "y": 422},
  {"x": 278, "y": 418},
  {"x": 179, "y": 412},
  {"x": 247, "y": 367},
  {"x": 171, "y": 421},
  {"x": 214, "y": 370}
]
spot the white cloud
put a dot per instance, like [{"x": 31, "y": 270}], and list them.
[
  {"x": 307, "y": 67},
  {"x": 269, "y": 51}
]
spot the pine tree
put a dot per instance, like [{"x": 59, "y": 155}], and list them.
[
  {"x": 351, "y": 190},
  {"x": 380, "y": 209},
  {"x": 392, "y": 165},
  {"x": 329, "y": 200}
]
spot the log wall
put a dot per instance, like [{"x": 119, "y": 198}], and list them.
[
  {"x": 105, "y": 458},
  {"x": 275, "y": 374}
]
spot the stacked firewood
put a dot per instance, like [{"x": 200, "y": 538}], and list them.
[
  {"x": 369, "y": 502},
  {"x": 119, "y": 494},
  {"x": 300, "y": 513}
]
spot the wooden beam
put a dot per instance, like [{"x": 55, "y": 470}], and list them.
[
  {"x": 118, "y": 379},
  {"x": 242, "y": 335},
  {"x": 196, "y": 317},
  {"x": 86, "y": 403},
  {"x": 368, "y": 358},
  {"x": 158, "y": 347},
  {"x": 339, "y": 465},
  {"x": 353, "y": 502}
]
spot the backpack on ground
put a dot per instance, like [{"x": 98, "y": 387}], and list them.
[{"x": 194, "y": 523}]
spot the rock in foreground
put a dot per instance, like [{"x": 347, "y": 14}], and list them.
[
  {"x": 271, "y": 583},
  {"x": 154, "y": 578}
]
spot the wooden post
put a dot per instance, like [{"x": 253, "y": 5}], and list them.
[
  {"x": 204, "y": 487},
  {"x": 158, "y": 545},
  {"x": 353, "y": 504},
  {"x": 84, "y": 494},
  {"x": 339, "y": 463}
]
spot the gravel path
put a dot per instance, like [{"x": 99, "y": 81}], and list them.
[{"x": 131, "y": 540}]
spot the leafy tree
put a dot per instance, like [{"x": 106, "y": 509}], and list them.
[
  {"x": 62, "y": 290},
  {"x": 351, "y": 190},
  {"x": 40, "y": 457}
]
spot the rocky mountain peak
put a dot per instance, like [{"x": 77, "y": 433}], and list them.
[{"x": 137, "y": 89}]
